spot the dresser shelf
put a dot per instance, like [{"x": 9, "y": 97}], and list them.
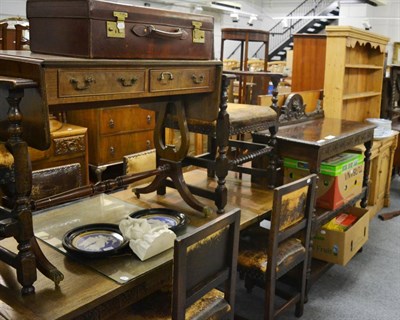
[{"x": 353, "y": 73}]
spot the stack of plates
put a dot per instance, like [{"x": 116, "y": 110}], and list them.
[{"x": 383, "y": 127}]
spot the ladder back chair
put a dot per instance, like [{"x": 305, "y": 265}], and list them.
[
  {"x": 267, "y": 255},
  {"x": 24, "y": 122},
  {"x": 203, "y": 260}
]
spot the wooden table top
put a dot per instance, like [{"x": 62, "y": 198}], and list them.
[
  {"x": 316, "y": 140},
  {"x": 85, "y": 292}
]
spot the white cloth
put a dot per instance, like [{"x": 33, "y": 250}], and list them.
[{"x": 147, "y": 238}]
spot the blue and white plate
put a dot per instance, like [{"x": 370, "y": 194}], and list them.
[
  {"x": 95, "y": 240},
  {"x": 174, "y": 219}
]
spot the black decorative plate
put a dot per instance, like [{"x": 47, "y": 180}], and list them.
[
  {"x": 174, "y": 219},
  {"x": 95, "y": 240}
]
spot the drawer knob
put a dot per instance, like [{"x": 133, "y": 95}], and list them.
[
  {"x": 148, "y": 119},
  {"x": 148, "y": 144},
  {"x": 197, "y": 79},
  {"x": 111, "y": 124},
  {"x": 78, "y": 85},
  {"x": 112, "y": 151},
  {"x": 163, "y": 75},
  {"x": 128, "y": 82}
]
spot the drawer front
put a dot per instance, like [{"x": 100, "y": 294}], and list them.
[
  {"x": 73, "y": 83},
  {"x": 195, "y": 79},
  {"x": 113, "y": 148},
  {"x": 125, "y": 119}
]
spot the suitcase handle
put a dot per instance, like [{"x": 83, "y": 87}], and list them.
[{"x": 148, "y": 30}]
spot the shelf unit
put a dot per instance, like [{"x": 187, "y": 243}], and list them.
[{"x": 354, "y": 71}]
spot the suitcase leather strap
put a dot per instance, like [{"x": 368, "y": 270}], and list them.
[{"x": 148, "y": 30}]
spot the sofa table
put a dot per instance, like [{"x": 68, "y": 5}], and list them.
[{"x": 189, "y": 88}]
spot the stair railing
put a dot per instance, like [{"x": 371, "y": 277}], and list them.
[{"x": 280, "y": 34}]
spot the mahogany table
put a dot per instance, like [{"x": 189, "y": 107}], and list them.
[{"x": 315, "y": 140}]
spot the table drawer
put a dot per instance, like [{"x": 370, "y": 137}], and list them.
[
  {"x": 196, "y": 79},
  {"x": 125, "y": 119},
  {"x": 113, "y": 148},
  {"x": 86, "y": 82}
]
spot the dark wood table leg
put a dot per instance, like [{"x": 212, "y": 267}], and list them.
[
  {"x": 29, "y": 256},
  {"x": 367, "y": 163},
  {"x": 222, "y": 140},
  {"x": 171, "y": 157}
]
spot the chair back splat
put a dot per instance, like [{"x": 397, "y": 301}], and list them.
[{"x": 266, "y": 256}]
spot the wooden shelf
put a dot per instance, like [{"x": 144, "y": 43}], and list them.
[
  {"x": 354, "y": 63},
  {"x": 363, "y": 66},
  {"x": 361, "y": 95}
]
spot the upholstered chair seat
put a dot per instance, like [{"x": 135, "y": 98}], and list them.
[
  {"x": 6, "y": 158},
  {"x": 253, "y": 256},
  {"x": 243, "y": 118},
  {"x": 156, "y": 307}
]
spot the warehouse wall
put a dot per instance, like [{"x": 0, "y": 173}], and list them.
[{"x": 389, "y": 25}]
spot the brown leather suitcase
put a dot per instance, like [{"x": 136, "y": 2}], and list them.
[{"x": 104, "y": 29}]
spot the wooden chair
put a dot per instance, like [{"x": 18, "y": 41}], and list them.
[
  {"x": 3, "y": 36},
  {"x": 24, "y": 122},
  {"x": 267, "y": 255},
  {"x": 203, "y": 260},
  {"x": 233, "y": 120}
]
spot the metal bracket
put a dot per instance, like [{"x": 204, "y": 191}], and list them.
[
  {"x": 198, "y": 35},
  {"x": 116, "y": 29}
]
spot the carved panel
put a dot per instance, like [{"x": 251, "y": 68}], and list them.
[{"x": 69, "y": 145}]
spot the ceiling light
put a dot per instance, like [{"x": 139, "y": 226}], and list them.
[
  {"x": 198, "y": 9},
  {"x": 251, "y": 20},
  {"x": 235, "y": 17}
]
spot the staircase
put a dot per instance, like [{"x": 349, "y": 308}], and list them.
[{"x": 281, "y": 35}]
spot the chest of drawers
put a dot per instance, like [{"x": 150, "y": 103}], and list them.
[{"x": 116, "y": 131}]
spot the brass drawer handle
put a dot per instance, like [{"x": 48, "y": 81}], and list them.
[
  {"x": 148, "y": 144},
  {"x": 82, "y": 86},
  {"x": 127, "y": 82},
  {"x": 111, "y": 124},
  {"x": 148, "y": 119},
  {"x": 112, "y": 151},
  {"x": 164, "y": 74},
  {"x": 197, "y": 80}
]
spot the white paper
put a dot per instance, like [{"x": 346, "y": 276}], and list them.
[{"x": 147, "y": 238}]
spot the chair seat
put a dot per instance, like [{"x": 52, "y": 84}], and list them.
[
  {"x": 6, "y": 158},
  {"x": 242, "y": 118},
  {"x": 158, "y": 307},
  {"x": 252, "y": 258}
]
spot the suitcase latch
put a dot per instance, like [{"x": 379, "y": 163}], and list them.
[
  {"x": 198, "y": 35},
  {"x": 116, "y": 29}
]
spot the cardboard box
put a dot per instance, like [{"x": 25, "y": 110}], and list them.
[
  {"x": 340, "y": 178},
  {"x": 340, "y": 246}
]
